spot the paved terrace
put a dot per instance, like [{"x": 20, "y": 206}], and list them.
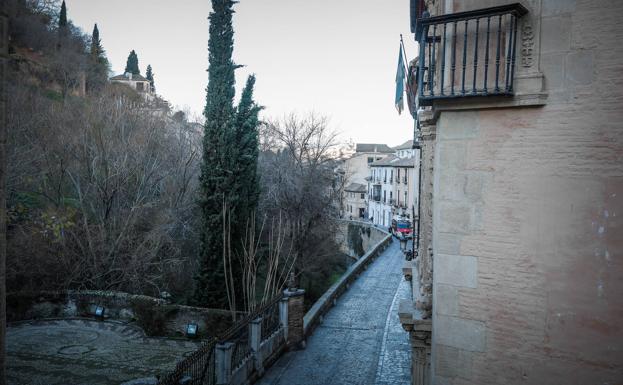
[
  {"x": 361, "y": 340},
  {"x": 77, "y": 352}
]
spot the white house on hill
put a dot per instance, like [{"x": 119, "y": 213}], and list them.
[{"x": 134, "y": 81}]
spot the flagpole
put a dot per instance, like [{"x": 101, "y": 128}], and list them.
[{"x": 404, "y": 53}]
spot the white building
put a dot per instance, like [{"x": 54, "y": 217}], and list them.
[
  {"x": 393, "y": 186},
  {"x": 355, "y": 170},
  {"x": 137, "y": 82}
]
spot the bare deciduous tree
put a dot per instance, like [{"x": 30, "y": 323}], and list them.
[
  {"x": 298, "y": 166},
  {"x": 106, "y": 186}
]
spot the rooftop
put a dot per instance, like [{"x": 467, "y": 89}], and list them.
[
  {"x": 135, "y": 77},
  {"x": 373, "y": 147},
  {"x": 408, "y": 145},
  {"x": 394, "y": 161},
  {"x": 356, "y": 187}
]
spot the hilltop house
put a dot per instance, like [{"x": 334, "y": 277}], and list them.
[{"x": 135, "y": 81}]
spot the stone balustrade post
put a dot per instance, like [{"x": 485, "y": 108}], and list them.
[
  {"x": 296, "y": 311},
  {"x": 283, "y": 316},
  {"x": 255, "y": 342},
  {"x": 223, "y": 362}
]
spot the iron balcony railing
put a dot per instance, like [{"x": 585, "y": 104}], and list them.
[{"x": 468, "y": 53}]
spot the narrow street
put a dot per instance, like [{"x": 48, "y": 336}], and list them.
[{"x": 361, "y": 340}]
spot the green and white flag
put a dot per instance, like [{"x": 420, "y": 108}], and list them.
[{"x": 400, "y": 82}]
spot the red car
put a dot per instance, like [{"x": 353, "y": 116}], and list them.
[{"x": 401, "y": 228}]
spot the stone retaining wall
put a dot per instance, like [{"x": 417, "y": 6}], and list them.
[
  {"x": 357, "y": 237},
  {"x": 154, "y": 315}
]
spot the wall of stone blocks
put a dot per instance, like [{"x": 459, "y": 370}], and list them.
[{"x": 528, "y": 240}]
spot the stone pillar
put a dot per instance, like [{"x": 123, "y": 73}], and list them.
[
  {"x": 283, "y": 316},
  {"x": 422, "y": 287},
  {"x": 223, "y": 362},
  {"x": 255, "y": 341},
  {"x": 420, "y": 333},
  {"x": 420, "y": 357},
  {"x": 296, "y": 312}
]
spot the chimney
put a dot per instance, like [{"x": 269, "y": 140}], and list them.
[{"x": 128, "y": 75}]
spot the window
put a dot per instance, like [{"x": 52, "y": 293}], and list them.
[
  {"x": 384, "y": 196},
  {"x": 370, "y": 159},
  {"x": 139, "y": 86},
  {"x": 398, "y": 178},
  {"x": 416, "y": 9},
  {"x": 363, "y": 196},
  {"x": 406, "y": 199}
]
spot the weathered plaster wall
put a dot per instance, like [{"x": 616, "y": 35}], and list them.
[{"x": 528, "y": 266}]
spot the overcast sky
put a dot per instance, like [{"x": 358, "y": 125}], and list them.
[{"x": 335, "y": 57}]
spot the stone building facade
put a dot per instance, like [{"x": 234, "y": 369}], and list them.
[
  {"x": 355, "y": 197},
  {"x": 521, "y": 194}
]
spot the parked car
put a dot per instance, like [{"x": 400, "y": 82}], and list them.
[{"x": 401, "y": 228}]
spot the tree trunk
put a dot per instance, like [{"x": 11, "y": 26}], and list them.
[{"x": 3, "y": 135}]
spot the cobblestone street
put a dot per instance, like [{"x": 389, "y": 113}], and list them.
[{"x": 361, "y": 340}]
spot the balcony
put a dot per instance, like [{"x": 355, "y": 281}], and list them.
[{"x": 468, "y": 54}]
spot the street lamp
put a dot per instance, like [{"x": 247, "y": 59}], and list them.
[
  {"x": 99, "y": 311},
  {"x": 191, "y": 330}
]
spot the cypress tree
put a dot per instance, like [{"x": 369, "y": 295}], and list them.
[
  {"x": 62, "y": 19},
  {"x": 97, "y": 74},
  {"x": 216, "y": 174},
  {"x": 149, "y": 75},
  {"x": 62, "y": 26},
  {"x": 132, "y": 64},
  {"x": 247, "y": 138},
  {"x": 96, "y": 44}
]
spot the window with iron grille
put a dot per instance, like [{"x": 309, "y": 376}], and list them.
[{"x": 468, "y": 54}]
